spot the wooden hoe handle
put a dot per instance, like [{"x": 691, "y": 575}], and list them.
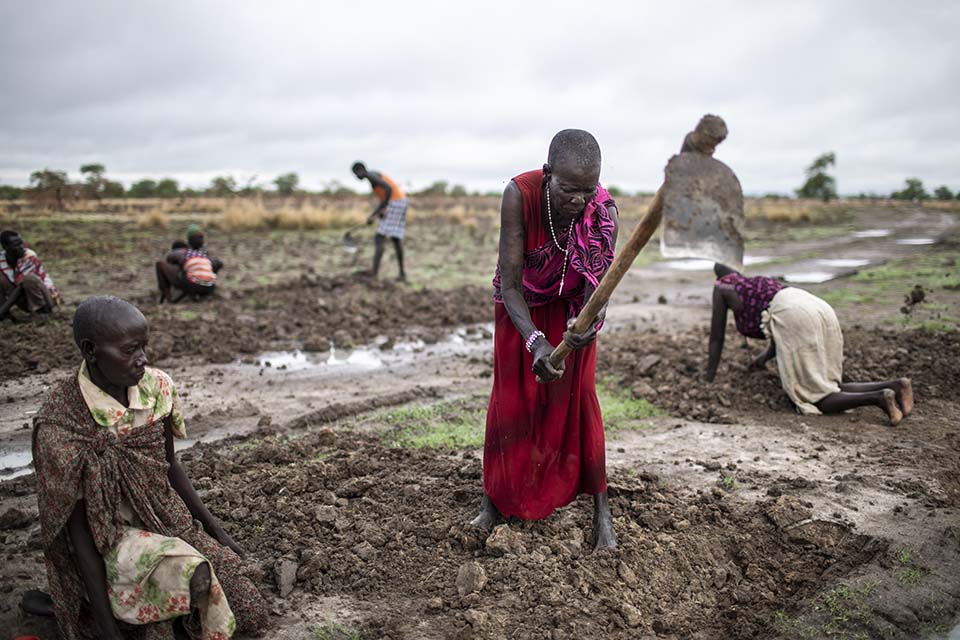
[{"x": 621, "y": 264}]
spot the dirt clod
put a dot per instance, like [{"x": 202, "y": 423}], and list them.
[
  {"x": 471, "y": 578},
  {"x": 504, "y": 540}
]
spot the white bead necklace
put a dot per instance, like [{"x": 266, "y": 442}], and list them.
[{"x": 566, "y": 251}]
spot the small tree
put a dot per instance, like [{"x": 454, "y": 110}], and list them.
[
  {"x": 48, "y": 186},
  {"x": 222, "y": 186},
  {"x": 819, "y": 183},
  {"x": 168, "y": 188},
  {"x": 912, "y": 191},
  {"x": 93, "y": 180},
  {"x": 287, "y": 183},
  {"x": 337, "y": 189},
  {"x": 458, "y": 191},
  {"x": 9, "y": 192},
  {"x": 438, "y": 188},
  {"x": 112, "y": 189},
  {"x": 943, "y": 193},
  {"x": 616, "y": 191},
  {"x": 145, "y": 188}
]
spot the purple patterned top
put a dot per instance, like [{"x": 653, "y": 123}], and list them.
[{"x": 755, "y": 295}]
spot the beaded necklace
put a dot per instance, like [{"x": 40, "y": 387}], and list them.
[{"x": 566, "y": 250}]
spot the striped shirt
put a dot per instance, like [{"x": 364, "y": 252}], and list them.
[
  {"x": 25, "y": 266},
  {"x": 198, "y": 268}
]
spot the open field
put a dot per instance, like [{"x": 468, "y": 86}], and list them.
[{"x": 337, "y": 428}]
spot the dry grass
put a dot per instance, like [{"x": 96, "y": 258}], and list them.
[
  {"x": 156, "y": 218},
  {"x": 256, "y": 214},
  {"x": 475, "y": 212},
  {"x": 782, "y": 209}
]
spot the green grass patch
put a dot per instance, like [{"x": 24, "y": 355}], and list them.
[
  {"x": 728, "y": 482},
  {"x": 780, "y": 235},
  {"x": 793, "y": 626},
  {"x": 933, "y": 271},
  {"x": 620, "y": 409},
  {"x": 910, "y": 576},
  {"x": 847, "y": 609},
  {"x": 908, "y": 573},
  {"x": 457, "y": 425},
  {"x": 887, "y": 285},
  {"x": 902, "y": 554},
  {"x": 331, "y": 630}
]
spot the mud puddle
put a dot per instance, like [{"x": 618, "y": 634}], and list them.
[
  {"x": 871, "y": 233},
  {"x": 916, "y": 242},
  {"x": 241, "y": 414}
]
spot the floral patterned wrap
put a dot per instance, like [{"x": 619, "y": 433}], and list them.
[
  {"x": 77, "y": 457},
  {"x": 149, "y": 581}
]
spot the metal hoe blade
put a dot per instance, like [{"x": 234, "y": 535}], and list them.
[{"x": 702, "y": 209}]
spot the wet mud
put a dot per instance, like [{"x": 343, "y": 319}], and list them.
[
  {"x": 312, "y": 313},
  {"x": 667, "y": 369},
  {"x": 736, "y": 517},
  {"x": 339, "y": 514}
]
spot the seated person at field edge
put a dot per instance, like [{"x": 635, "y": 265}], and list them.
[
  {"x": 189, "y": 268},
  {"x": 806, "y": 340},
  {"x": 127, "y": 540},
  {"x": 23, "y": 280}
]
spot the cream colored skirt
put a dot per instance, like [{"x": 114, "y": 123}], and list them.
[{"x": 809, "y": 346}]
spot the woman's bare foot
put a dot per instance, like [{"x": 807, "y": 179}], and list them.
[
  {"x": 603, "y": 534},
  {"x": 489, "y": 515},
  {"x": 904, "y": 390},
  {"x": 890, "y": 407},
  {"x": 200, "y": 584}
]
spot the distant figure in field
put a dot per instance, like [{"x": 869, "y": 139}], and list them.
[
  {"x": 544, "y": 443},
  {"x": 806, "y": 340},
  {"x": 130, "y": 547},
  {"x": 187, "y": 267},
  {"x": 23, "y": 280},
  {"x": 392, "y": 212}
]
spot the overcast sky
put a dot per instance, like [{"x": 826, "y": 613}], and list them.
[{"x": 472, "y": 92}]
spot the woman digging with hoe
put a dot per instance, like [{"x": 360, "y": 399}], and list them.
[{"x": 544, "y": 443}]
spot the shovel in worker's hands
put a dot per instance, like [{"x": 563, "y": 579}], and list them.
[
  {"x": 701, "y": 205},
  {"x": 349, "y": 241}
]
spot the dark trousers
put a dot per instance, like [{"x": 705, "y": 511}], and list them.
[{"x": 34, "y": 295}]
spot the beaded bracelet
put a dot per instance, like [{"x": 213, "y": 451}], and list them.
[{"x": 533, "y": 338}]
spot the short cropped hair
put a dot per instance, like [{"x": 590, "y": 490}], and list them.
[
  {"x": 97, "y": 314},
  {"x": 7, "y": 235},
  {"x": 575, "y": 145}
]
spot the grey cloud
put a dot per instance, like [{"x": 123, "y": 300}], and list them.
[{"x": 472, "y": 93}]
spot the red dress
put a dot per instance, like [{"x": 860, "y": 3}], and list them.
[{"x": 544, "y": 442}]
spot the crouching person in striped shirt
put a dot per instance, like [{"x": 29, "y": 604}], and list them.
[{"x": 190, "y": 269}]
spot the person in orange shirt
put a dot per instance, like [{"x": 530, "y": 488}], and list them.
[{"x": 392, "y": 212}]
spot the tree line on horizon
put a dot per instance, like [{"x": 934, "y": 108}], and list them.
[
  {"x": 820, "y": 185},
  {"x": 53, "y": 188}
]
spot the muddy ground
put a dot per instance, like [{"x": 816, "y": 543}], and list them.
[
  {"x": 313, "y": 313},
  {"x": 350, "y": 480}
]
